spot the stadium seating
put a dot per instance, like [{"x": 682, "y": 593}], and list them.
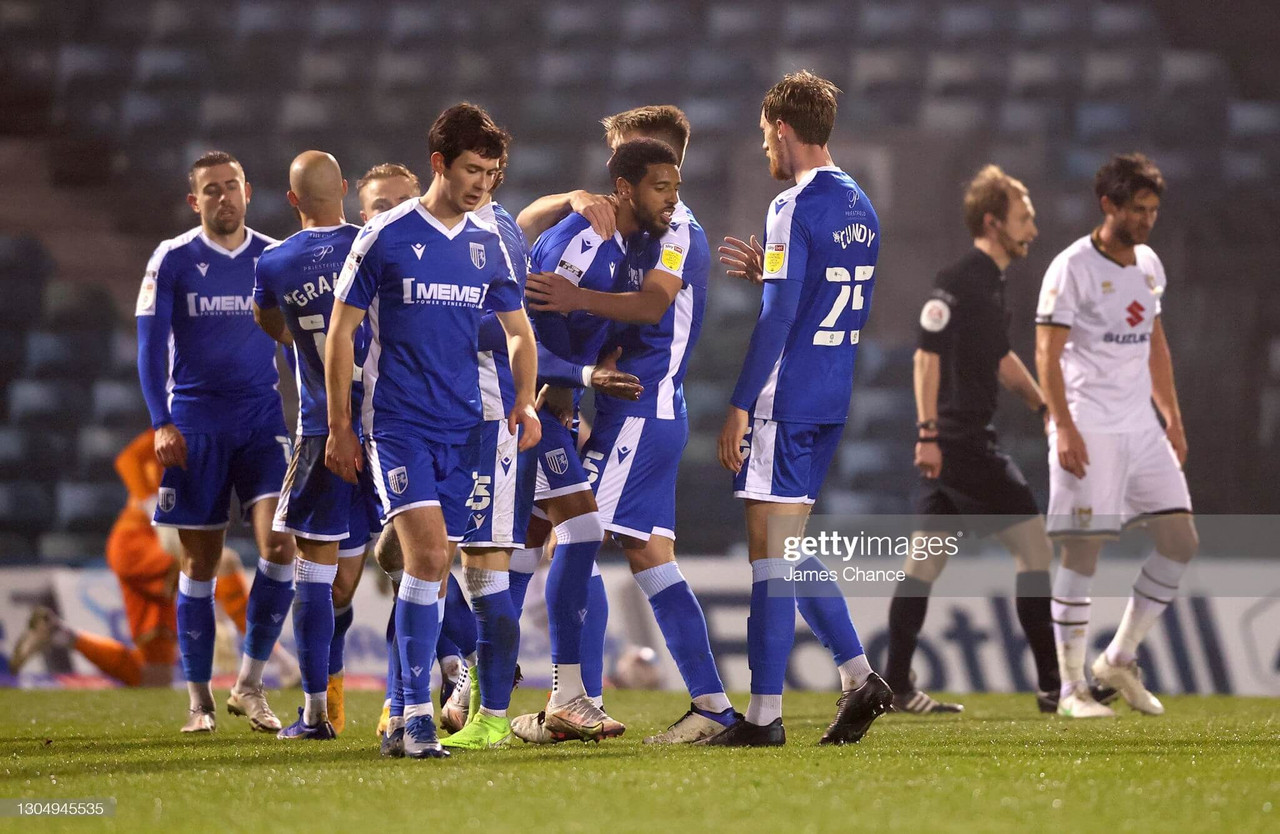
[{"x": 136, "y": 81}]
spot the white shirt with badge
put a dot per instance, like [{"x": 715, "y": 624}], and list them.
[{"x": 1111, "y": 310}]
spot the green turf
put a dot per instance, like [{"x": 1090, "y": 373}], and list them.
[{"x": 1210, "y": 764}]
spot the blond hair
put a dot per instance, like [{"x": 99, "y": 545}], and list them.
[
  {"x": 989, "y": 192},
  {"x": 386, "y": 171},
  {"x": 656, "y": 121}
]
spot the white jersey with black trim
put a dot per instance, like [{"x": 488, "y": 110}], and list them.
[{"x": 1111, "y": 311}]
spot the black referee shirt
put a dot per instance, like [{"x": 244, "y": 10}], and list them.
[{"x": 965, "y": 322}]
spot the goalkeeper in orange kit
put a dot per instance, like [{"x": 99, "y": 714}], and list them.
[{"x": 147, "y": 568}]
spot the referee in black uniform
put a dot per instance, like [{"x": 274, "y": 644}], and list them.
[{"x": 963, "y": 358}]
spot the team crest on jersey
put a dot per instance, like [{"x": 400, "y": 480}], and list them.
[
  {"x": 774, "y": 255},
  {"x": 1151, "y": 285},
  {"x": 477, "y": 255},
  {"x": 672, "y": 256},
  {"x": 168, "y": 499},
  {"x": 557, "y": 461},
  {"x": 398, "y": 480}
]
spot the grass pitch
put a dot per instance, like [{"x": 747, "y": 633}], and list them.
[{"x": 1210, "y": 764}]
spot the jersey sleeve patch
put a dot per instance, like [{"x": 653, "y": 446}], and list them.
[
  {"x": 570, "y": 271},
  {"x": 672, "y": 256},
  {"x": 775, "y": 255},
  {"x": 935, "y": 316},
  {"x": 147, "y": 295}
]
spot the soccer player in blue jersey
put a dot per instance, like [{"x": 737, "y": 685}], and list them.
[
  {"x": 571, "y": 346},
  {"x": 209, "y": 378},
  {"x": 669, "y": 124},
  {"x": 384, "y": 187},
  {"x": 500, "y": 506},
  {"x": 792, "y": 400},
  {"x": 422, "y": 273},
  {"x": 332, "y": 521},
  {"x": 633, "y": 453}
]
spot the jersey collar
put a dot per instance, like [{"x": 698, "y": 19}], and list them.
[
  {"x": 813, "y": 172},
  {"x": 440, "y": 227},
  {"x": 1093, "y": 240},
  {"x": 990, "y": 269},
  {"x": 222, "y": 250}
]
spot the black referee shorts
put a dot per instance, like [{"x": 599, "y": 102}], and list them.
[{"x": 977, "y": 480}]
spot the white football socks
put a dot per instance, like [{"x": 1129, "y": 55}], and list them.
[
  {"x": 566, "y": 683},
  {"x": 854, "y": 672},
  {"x": 1070, "y": 608},
  {"x": 764, "y": 709},
  {"x": 1153, "y": 590},
  {"x": 315, "y": 708}
]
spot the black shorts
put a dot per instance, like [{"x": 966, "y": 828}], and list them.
[{"x": 977, "y": 480}]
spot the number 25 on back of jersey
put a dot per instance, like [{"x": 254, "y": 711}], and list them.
[{"x": 850, "y": 297}]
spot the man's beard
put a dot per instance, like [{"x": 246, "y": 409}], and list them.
[
  {"x": 1014, "y": 248},
  {"x": 1124, "y": 237},
  {"x": 651, "y": 223},
  {"x": 777, "y": 171},
  {"x": 225, "y": 225}
]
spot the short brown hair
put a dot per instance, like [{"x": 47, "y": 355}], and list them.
[
  {"x": 466, "y": 127},
  {"x": 1124, "y": 175},
  {"x": 806, "y": 102},
  {"x": 209, "y": 159},
  {"x": 386, "y": 171},
  {"x": 989, "y": 192},
  {"x": 658, "y": 121}
]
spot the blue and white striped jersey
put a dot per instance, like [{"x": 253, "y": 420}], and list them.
[
  {"x": 571, "y": 249},
  {"x": 425, "y": 288},
  {"x": 203, "y": 362},
  {"x": 497, "y": 386},
  {"x": 658, "y": 354},
  {"x": 298, "y": 276},
  {"x": 822, "y": 234}
]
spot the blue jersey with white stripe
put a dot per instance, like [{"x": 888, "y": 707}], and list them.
[
  {"x": 497, "y": 386},
  {"x": 204, "y": 364},
  {"x": 572, "y": 249},
  {"x": 298, "y": 275},
  {"x": 425, "y": 288},
  {"x": 823, "y": 234},
  {"x": 658, "y": 354}
]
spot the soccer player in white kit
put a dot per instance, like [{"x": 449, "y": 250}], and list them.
[{"x": 1102, "y": 358}]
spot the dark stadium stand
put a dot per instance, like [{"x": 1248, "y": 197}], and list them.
[{"x": 937, "y": 87}]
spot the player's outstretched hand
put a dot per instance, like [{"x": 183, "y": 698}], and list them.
[
  {"x": 171, "y": 447},
  {"x": 742, "y": 259},
  {"x": 607, "y": 379},
  {"x": 551, "y": 292},
  {"x": 599, "y": 209},
  {"x": 1178, "y": 439},
  {"x": 525, "y": 416},
  {"x": 343, "y": 455},
  {"x": 729, "y": 447},
  {"x": 1072, "y": 454},
  {"x": 929, "y": 459}
]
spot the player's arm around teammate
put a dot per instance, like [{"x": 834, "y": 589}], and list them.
[{"x": 545, "y": 212}]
